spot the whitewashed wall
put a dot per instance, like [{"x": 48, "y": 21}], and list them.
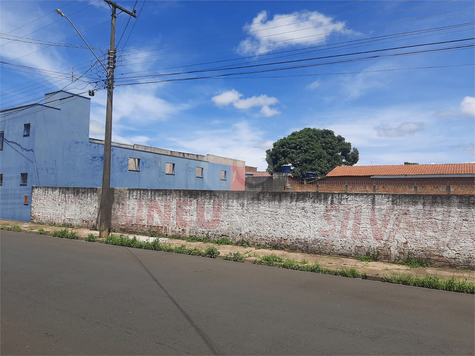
[{"x": 441, "y": 228}]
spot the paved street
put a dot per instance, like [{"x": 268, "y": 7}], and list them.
[{"x": 73, "y": 297}]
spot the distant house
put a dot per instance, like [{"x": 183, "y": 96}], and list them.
[
  {"x": 48, "y": 145},
  {"x": 451, "y": 174}
]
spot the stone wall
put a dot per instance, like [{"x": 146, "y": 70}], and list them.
[{"x": 436, "y": 227}]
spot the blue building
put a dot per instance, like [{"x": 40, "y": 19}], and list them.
[{"x": 48, "y": 145}]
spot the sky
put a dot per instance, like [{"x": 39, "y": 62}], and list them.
[{"x": 229, "y": 78}]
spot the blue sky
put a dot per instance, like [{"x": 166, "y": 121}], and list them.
[{"x": 395, "y": 78}]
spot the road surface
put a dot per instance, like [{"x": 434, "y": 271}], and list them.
[{"x": 73, "y": 297}]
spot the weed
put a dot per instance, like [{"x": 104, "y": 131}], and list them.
[
  {"x": 304, "y": 262},
  {"x": 433, "y": 282},
  {"x": 211, "y": 252},
  {"x": 153, "y": 233},
  {"x": 198, "y": 239},
  {"x": 224, "y": 241},
  {"x": 291, "y": 264},
  {"x": 245, "y": 243},
  {"x": 413, "y": 262},
  {"x": 12, "y": 228},
  {"x": 42, "y": 231},
  {"x": 121, "y": 240},
  {"x": 269, "y": 260},
  {"x": 90, "y": 238},
  {"x": 236, "y": 257},
  {"x": 65, "y": 234},
  {"x": 369, "y": 257}
]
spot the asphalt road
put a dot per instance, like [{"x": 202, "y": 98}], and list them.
[{"x": 73, "y": 297}]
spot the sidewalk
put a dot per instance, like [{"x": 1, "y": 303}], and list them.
[{"x": 374, "y": 270}]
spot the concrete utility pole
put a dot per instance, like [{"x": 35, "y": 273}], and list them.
[{"x": 105, "y": 209}]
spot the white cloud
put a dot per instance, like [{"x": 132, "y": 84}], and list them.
[
  {"x": 262, "y": 100},
  {"x": 227, "y": 98},
  {"x": 404, "y": 129},
  {"x": 134, "y": 108},
  {"x": 240, "y": 141},
  {"x": 285, "y": 30},
  {"x": 142, "y": 105},
  {"x": 268, "y": 112},
  {"x": 314, "y": 85},
  {"x": 31, "y": 54},
  {"x": 234, "y": 97},
  {"x": 468, "y": 106},
  {"x": 355, "y": 86}
]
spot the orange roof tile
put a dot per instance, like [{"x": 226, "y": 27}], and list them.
[{"x": 403, "y": 170}]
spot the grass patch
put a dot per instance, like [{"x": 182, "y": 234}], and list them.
[
  {"x": 413, "y": 262},
  {"x": 121, "y": 240},
  {"x": 369, "y": 257},
  {"x": 15, "y": 228},
  {"x": 198, "y": 239},
  {"x": 65, "y": 234},
  {"x": 276, "y": 261},
  {"x": 433, "y": 282},
  {"x": 90, "y": 238},
  {"x": 42, "y": 231},
  {"x": 236, "y": 257}
]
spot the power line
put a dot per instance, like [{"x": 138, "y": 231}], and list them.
[
  {"x": 322, "y": 34},
  {"x": 301, "y": 60},
  {"x": 270, "y": 28},
  {"x": 299, "y": 51},
  {"x": 298, "y": 67}
]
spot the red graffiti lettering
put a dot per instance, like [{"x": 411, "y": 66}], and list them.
[
  {"x": 329, "y": 210},
  {"x": 164, "y": 215},
  {"x": 462, "y": 231},
  {"x": 125, "y": 218},
  {"x": 380, "y": 226},
  {"x": 139, "y": 215},
  {"x": 357, "y": 224},
  {"x": 200, "y": 215},
  {"x": 403, "y": 226},
  {"x": 183, "y": 218},
  {"x": 344, "y": 221}
]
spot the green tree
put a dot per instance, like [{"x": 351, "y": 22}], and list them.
[{"x": 311, "y": 150}]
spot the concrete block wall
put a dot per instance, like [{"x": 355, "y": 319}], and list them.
[{"x": 435, "y": 227}]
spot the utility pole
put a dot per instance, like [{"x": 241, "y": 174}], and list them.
[{"x": 105, "y": 209}]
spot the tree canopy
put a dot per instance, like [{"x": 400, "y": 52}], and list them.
[{"x": 311, "y": 150}]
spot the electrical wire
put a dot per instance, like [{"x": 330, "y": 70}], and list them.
[
  {"x": 299, "y": 38},
  {"x": 301, "y": 60},
  {"x": 298, "y": 30},
  {"x": 296, "y": 67}
]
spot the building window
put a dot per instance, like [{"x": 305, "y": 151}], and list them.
[
  {"x": 223, "y": 175},
  {"x": 1, "y": 179},
  {"x": 26, "y": 130},
  {"x": 170, "y": 168},
  {"x": 25, "y": 200},
  {"x": 199, "y": 172},
  {"x": 2, "y": 136},
  {"x": 134, "y": 164},
  {"x": 24, "y": 179}
]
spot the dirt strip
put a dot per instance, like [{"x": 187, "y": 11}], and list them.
[{"x": 374, "y": 270}]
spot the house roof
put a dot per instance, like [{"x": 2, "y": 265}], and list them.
[
  {"x": 258, "y": 174},
  {"x": 404, "y": 170}
]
